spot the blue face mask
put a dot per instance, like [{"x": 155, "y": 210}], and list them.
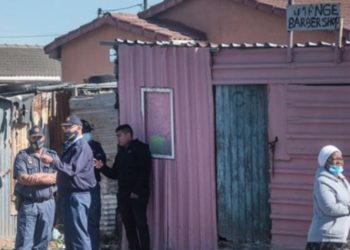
[
  {"x": 336, "y": 170},
  {"x": 87, "y": 137}
]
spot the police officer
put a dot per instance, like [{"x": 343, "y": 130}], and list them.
[
  {"x": 95, "y": 208},
  {"x": 34, "y": 190},
  {"x": 75, "y": 178}
]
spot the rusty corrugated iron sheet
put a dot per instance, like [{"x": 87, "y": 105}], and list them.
[
  {"x": 7, "y": 222},
  {"x": 59, "y": 113},
  {"x": 17, "y": 115}
]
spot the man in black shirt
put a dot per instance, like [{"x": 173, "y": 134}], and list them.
[{"x": 132, "y": 167}]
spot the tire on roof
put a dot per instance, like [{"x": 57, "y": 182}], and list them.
[{"x": 101, "y": 78}]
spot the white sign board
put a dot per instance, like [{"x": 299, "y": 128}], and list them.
[{"x": 322, "y": 16}]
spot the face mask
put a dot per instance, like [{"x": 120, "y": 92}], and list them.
[
  {"x": 87, "y": 137},
  {"x": 70, "y": 136},
  {"x": 37, "y": 144},
  {"x": 336, "y": 170}
]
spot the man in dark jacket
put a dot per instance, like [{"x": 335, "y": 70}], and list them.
[
  {"x": 95, "y": 208},
  {"x": 75, "y": 178},
  {"x": 132, "y": 167}
]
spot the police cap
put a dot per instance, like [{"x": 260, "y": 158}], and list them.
[
  {"x": 72, "y": 120},
  {"x": 35, "y": 131}
]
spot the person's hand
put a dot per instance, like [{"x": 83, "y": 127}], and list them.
[
  {"x": 52, "y": 178},
  {"x": 134, "y": 196},
  {"x": 98, "y": 164},
  {"x": 46, "y": 159}
]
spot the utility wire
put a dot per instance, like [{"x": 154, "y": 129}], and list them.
[
  {"x": 129, "y": 7},
  {"x": 30, "y": 36},
  {"x": 101, "y": 11}
]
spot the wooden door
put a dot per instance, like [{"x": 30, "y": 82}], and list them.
[{"x": 242, "y": 163}]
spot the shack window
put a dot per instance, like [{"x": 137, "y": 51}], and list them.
[{"x": 158, "y": 120}]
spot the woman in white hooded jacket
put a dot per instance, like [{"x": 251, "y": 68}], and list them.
[{"x": 330, "y": 224}]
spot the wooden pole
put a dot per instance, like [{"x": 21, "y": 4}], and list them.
[
  {"x": 144, "y": 4},
  {"x": 339, "y": 43},
  {"x": 290, "y": 39}
]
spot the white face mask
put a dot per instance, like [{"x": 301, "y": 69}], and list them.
[{"x": 87, "y": 136}]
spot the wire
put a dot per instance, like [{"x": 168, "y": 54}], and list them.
[
  {"x": 100, "y": 11},
  {"x": 30, "y": 36},
  {"x": 125, "y": 8}
]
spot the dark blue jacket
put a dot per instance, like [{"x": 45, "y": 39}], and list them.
[
  {"x": 75, "y": 169},
  {"x": 26, "y": 162}
]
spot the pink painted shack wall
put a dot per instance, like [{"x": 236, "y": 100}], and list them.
[
  {"x": 182, "y": 209},
  {"x": 85, "y": 56},
  {"x": 309, "y": 107},
  {"x": 227, "y": 21}
]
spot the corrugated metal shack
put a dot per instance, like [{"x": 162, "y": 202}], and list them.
[
  {"x": 23, "y": 105},
  {"x": 248, "y": 124}
]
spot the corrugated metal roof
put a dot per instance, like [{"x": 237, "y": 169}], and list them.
[
  {"x": 27, "y": 61},
  {"x": 35, "y": 87},
  {"x": 29, "y": 78},
  {"x": 200, "y": 44}
]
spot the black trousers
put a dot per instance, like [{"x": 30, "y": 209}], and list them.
[
  {"x": 326, "y": 246},
  {"x": 134, "y": 217}
]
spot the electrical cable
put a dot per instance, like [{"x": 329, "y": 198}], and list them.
[
  {"x": 125, "y": 8},
  {"x": 54, "y": 35},
  {"x": 29, "y": 36}
]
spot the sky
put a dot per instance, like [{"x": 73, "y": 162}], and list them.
[{"x": 39, "y": 22}]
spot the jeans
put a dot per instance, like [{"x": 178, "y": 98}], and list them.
[
  {"x": 75, "y": 210},
  {"x": 34, "y": 225}
]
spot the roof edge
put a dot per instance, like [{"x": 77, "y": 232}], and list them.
[
  {"x": 158, "y": 8},
  {"x": 52, "y": 47},
  {"x": 206, "y": 44}
]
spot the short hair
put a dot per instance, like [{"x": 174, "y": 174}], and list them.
[{"x": 125, "y": 128}]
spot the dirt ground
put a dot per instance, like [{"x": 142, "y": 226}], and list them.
[
  {"x": 7, "y": 244},
  {"x": 107, "y": 243}
]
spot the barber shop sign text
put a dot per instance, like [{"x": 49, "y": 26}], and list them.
[{"x": 323, "y": 16}]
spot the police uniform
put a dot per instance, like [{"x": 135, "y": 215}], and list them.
[
  {"x": 75, "y": 178},
  {"x": 36, "y": 207}
]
